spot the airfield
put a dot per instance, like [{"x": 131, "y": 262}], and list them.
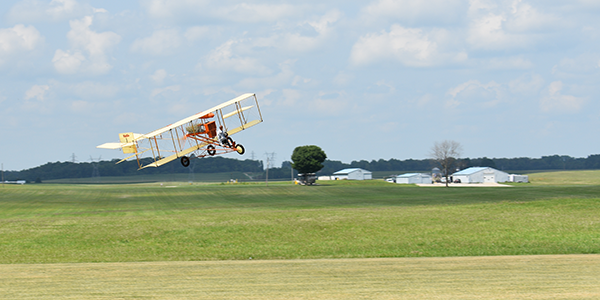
[{"x": 338, "y": 240}]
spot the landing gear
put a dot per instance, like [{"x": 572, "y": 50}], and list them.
[
  {"x": 185, "y": 161},
  {"x": 211, "y": 150},
  {"x": 228, "y": 142},
  {"x": 240, "y": 149}
]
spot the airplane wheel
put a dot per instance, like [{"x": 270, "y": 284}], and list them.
[
  {"x": 240, "y": 149},
  {"x": 185, "y": 161},
  {"x": 211, "y": 150}
]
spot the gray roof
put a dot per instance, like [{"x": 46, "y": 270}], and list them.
[
  {"x": 471, "y": 170},
  {"x": 412, "y": 175},
  {"x": 350, "y": 170}
]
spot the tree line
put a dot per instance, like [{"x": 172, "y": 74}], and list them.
[
  {"x": 554, "y": 162},
  {"x": 61, "y": 170}
]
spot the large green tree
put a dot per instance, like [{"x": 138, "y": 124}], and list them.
[{"x": 308, "y": 159}]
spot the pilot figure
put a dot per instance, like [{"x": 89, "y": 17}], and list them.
[{"x": 223, "y": 136}]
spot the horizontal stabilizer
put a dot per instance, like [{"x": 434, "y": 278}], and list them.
[
  {"x": 111, "y": 146},
  {"x": 127, "y": 144}
]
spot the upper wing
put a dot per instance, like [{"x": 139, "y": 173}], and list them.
[{"x": 198, "y": 115}]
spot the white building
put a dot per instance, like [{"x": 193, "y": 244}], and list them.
[
  {"x": 518, "y": 178},
  {"x": 480, "y": 175},
  {"x": 14, "y": 181},
  {"x": 353, "y": 174},
  {"x": 413, "y": 178}
]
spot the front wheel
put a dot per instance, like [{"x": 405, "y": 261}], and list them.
[
  {"x": 211, "y": 150},
  {"x": 185, "y": 161},
  {"x": 240, "y": 149}
]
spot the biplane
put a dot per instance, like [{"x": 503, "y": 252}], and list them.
[{"x": 206, "y": 133}]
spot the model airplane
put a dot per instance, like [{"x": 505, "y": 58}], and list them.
[{"x": 206, "y": 133}]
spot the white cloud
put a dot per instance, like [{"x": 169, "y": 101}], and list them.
[
  {"x": 84, "y": 40},
  {"x": 525, "y": 18},
  {"x": 161, "y": 42},
  {"x": 343, "y": 78},
  {"x": 283, "y": 78},
  {"x": 159, "y": 76},
  {"x": 55, "y": 10},
  {"x": 96, "y": 44},
  {"x": 90, "y": 89},
  {"x": 172, "y": 88},
  {"x": 425, "y": 100},
  {"x": 555, "y": 101},
  {"x": 330, "y": 103},
  {"x": 474, "y": 94},
  {"x": 290, "y": 97},
  {"x": 411, "y": 12},
  {"x": 239, "y": 12},
  {"x": 81, "y": 106},
  {"x": 410, "y": 46},
  {"x": 196, "y": 33},
  {"x": 509, "y": 63},
  {"x": 246, "y": 12},
  {"x": 17, "y": 39},
  {"x": 58, "y": 8},
  {"x": 584, "y": 65},
  {"x": 37, "y": 91},
  {"x": 291, "y": 40},
  {"x": 502, "y": 26},
  {"x": 67, "y": 62},
  {"x": 526, "y": 84},
  {"x": 488, "y": 33},
  {"x": 590, "y": 3},
  {"x": 224, "y": 58}
]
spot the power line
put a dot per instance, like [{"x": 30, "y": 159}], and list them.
[
  {"x": 95, "y": 171},
  {"x": 270, "y": 159}
]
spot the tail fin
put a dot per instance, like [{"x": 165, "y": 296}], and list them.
[{"x": 128, "y": 138}]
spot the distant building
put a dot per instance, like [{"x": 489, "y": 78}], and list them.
[
  {"x": 480, "y": 175},
  {"x": 14, "y": 181},
  {"x": 413, "y": 178},
  {"x": 518, "y": 178},
  {"x": 353, "y": 174}
]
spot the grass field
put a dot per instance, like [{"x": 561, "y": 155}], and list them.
[
  {"x": 587, "y": 177},
  {"x": 59, "y": 225}
]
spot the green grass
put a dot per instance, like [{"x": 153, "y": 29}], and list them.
[
  {"x": 345, "y": 219},
  {"x": 588, "y": 177}
]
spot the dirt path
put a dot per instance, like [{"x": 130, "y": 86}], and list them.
[{"x": 502, "y": 277}]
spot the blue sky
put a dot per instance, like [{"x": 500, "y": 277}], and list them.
[{"x": 361, "y": 79}]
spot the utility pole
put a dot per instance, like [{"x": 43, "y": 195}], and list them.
[
  {"x": 270, "y": 158},
  {"x": 2, "y": 175},
  {"x": 192, "y": 175},
  {"x": 95, "y": 171}
]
